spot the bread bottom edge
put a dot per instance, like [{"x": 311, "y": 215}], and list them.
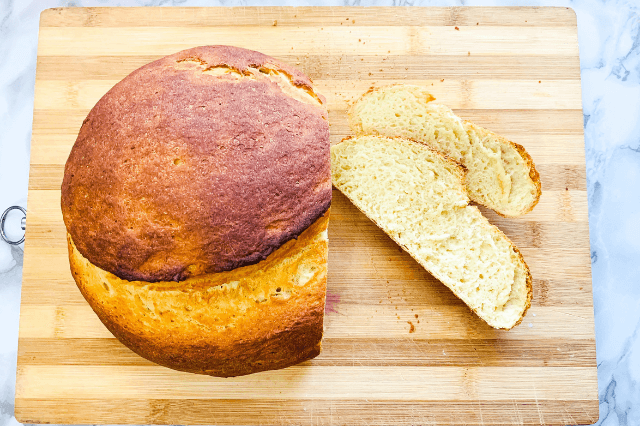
[{"x": 260, "y": 317}]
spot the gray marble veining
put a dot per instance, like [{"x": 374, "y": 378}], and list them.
[{"x": 609, "y": 36}]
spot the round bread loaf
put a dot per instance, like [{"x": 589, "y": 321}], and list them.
[
  {"x": 203, "y": 161},
  {"x": 196, "y": 202}
]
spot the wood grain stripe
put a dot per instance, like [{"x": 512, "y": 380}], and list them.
[
  {"x": 310, "y": 16},
  {"x": 310, "y": 412},
  {"x": 280, "y": 40},
  {"x": 371, "y": 383},
  {"x": 344, "y": 67},
  {"x": 345, "y": 352},
  {"x": 457, "y": 94},
  {"x": 349, "y": 320}
]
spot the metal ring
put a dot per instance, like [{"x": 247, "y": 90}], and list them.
[{"x": 22, "y": 225}]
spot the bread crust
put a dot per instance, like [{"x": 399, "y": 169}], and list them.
[
  {"x": 259, "y": 317},
  {"x": 529, "y": 284},
  {"x": 461, "y": 174},
  {"x": 203, "y": 161},
  {"x": 533, "y": 173}
]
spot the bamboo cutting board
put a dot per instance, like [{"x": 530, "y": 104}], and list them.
[{"x": 399, "y": 348}]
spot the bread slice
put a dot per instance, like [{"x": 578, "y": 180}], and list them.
[
  {"x": 418, "y": 197},
  {"x": 501, "y": 175}
]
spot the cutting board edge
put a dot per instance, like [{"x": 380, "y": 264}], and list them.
[{"x": 20, "y": 409}]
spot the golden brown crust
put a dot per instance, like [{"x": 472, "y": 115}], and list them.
[
  {"x": 529, "y": 286},
  {"x": 203, "y": 161},
  {"x": 259, "y": 317},
  {"x": 533, "y": 173},
  {"x": 525, "y": 269}
]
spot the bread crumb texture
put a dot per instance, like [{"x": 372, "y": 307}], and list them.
[
  {"x": 501, "y": 174},
  {"x": 259, "y": 317},
  {"x": 418, "y": 197}
]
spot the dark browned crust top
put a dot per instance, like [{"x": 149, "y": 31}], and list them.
[{"x": 177, "y": 172}]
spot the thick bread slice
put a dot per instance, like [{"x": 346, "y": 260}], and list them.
[
  {"x": 501, "y": 175},
  {"x": 418, "y": 197}
]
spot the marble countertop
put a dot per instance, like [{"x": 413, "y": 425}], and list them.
[{"x": 609, "y": 37}]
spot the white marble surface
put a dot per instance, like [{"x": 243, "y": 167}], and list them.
[{"x": 609, "y": 35}]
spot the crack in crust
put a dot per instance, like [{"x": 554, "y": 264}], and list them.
[{"x": 285, "y": 80}]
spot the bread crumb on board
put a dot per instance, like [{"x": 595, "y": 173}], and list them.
[{"x": 412, "y": 328}]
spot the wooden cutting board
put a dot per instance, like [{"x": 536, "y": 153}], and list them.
[{"x": 399, "y": 348}]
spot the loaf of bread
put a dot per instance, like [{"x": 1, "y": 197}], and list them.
[
  {"x": 501, "y": 175},
  {"x": 418, "y": 197},
  {"x": 196, "y": 201}
]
